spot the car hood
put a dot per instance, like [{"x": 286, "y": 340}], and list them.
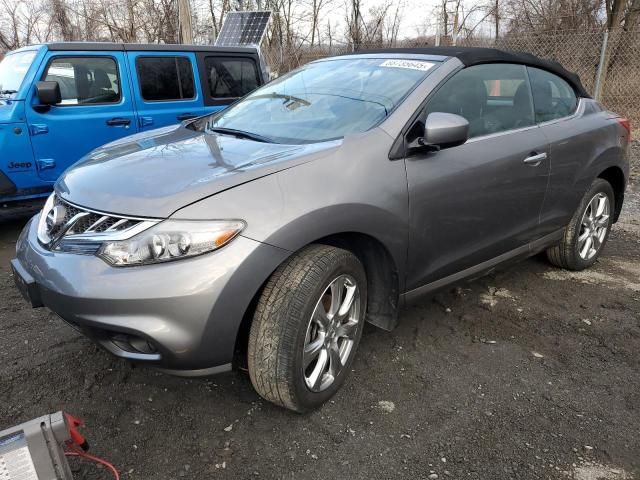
[
  {"x": 11, "y": 111},
  {"x": 154, "y": 174}
]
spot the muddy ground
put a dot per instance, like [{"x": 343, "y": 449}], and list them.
[{"x": 529, "y": 373}]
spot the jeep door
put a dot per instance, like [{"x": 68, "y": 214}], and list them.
[
  {"x": 226, "y": 77},
  {"x": 165, "y": 87},
  {"x": 477, "y": 201},
  {"x": 96, "y": 108}
]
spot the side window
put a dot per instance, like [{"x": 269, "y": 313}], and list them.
[
  {"x": 165, "y": 78},
  {"x": 492, "y": 97},
  {"x": 553, "y": 97},
  {"x": 85, "y": 80},
  {"x": 230, "y": 77}
]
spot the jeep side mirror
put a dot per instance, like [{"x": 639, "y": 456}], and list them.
[{"x": 48, "y": 93}]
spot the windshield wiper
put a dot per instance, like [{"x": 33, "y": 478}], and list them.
[
  {"x": 7, "y": 92},
  {"x": 241, "y": 134},
  {"x": 289, "y": 98}
]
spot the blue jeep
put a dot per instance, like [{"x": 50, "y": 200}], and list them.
[{"x": 59, "y": 101}]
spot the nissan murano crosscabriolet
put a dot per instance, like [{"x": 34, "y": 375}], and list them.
[{"x": 266, "y": 235}]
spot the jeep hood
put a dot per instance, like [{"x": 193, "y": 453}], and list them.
[
  {"x": 11, "y": 111},
  {"x": 154, "y": 174}
]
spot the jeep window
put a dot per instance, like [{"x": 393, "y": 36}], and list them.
[
  {"x": 231, "y": 77},
  {"x": 493, "y": 98},
  {"x": 552, "y": 96},
  {"x": 85, "y": 80},
  {"x": 324, "y": 100},
  {"x": 165, "y": 78},
  {"x": 13, "y": 68}
]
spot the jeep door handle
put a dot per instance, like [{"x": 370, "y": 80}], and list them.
[
  {"x": 119, "y": 122},
  {"x": 535, "y": 159},
  {"x": 185, "y": 116}
]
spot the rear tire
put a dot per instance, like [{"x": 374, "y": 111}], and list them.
[
  {"x": 587, "y": 233},
  {"x": 307, "y": 326}
]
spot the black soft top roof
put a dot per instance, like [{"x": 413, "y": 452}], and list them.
[{"x": 476, "y": 56}]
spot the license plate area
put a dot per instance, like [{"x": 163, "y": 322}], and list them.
[{"x": 26, "y": 284}]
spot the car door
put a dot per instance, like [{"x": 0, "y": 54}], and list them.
[
  {"x": 471, "y": 203},
  {"x": 573, "y": 140},
  {"x": 96, "y": 108},
  {"x": 226, "y": 78},
  {"x": 165, "y": 88}
]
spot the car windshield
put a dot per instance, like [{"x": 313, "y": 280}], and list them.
[
  {"x": 322, "y": 101},
  {"x": 13, "y": 68}
]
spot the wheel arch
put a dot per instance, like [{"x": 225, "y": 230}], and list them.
[
  {"x": 615, "y": 176},
  {"x": 383, "y": 280},
  {"x": 383, "y": 284}
]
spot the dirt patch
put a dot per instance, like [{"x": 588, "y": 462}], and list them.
[
  {"x": 599, "y": 472},
  {"x": 618, "y": 274}
]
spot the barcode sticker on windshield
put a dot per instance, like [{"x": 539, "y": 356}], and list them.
[{"x": 411, "y": 64}]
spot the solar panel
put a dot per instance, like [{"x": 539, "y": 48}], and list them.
[{"x": 243, "y": 28}]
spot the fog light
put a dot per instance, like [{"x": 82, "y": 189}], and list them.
[{"x": 133, "y": 344}]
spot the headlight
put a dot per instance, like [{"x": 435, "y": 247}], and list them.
[{"x": 170, "y": 240}]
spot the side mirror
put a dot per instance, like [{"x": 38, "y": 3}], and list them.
[
  {"x": 48, "y": 93},
  {"x": 441, "y": 130},
  {"x": 446, "y": 129}
]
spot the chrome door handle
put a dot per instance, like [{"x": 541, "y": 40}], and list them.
[{"x": 535, "y": 159}]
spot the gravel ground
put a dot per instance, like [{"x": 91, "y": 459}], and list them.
[{"x": 529, "y": 373}]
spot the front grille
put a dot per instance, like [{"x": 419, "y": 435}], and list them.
[
  {"x": 67, "y": 227},
  {"x": 91, "y": 223}
]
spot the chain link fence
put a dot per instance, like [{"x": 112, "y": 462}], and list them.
[{"x": 580, "y": 52}]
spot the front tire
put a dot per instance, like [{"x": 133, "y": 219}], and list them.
[
  {"x": 587, "y": 233},
  {"x": 307, "y": 326}
]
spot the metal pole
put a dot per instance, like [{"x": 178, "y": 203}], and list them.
[
  {"x": 455, "y": 27},
  {"x": 597, "y": 94},
  {"x": 439, "y": 20}
]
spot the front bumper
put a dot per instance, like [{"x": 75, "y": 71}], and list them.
[{"x": 182, "y": 315}]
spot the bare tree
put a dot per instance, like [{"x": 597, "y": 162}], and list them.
[
  {"x": 622, "y": 13},
  {"x": 376, "y": 28},
  {"x": 60, "y": 19},
  {"x": 545, "y": 16},
  {"x": 316, "y": 8},
  {"x": 392, "y": 25},
  {"x": 22, "y": 24},
  {"x": 494, "y": 11},
  {"x": 354, "y": 23}
]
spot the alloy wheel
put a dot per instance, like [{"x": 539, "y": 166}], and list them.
[
  {"x": 593, "y": 227},
  {"x": 331, "y": 333}
]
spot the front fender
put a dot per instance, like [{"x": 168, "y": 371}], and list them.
[{"x": 356, "y": 189}]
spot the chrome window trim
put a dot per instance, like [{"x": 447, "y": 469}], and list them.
[
  {"x": 504, "y": 132},
  {"x": 579, "y": 111}
]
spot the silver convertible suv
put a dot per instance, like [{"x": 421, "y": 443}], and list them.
[{"x": 268, "y": 234}]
